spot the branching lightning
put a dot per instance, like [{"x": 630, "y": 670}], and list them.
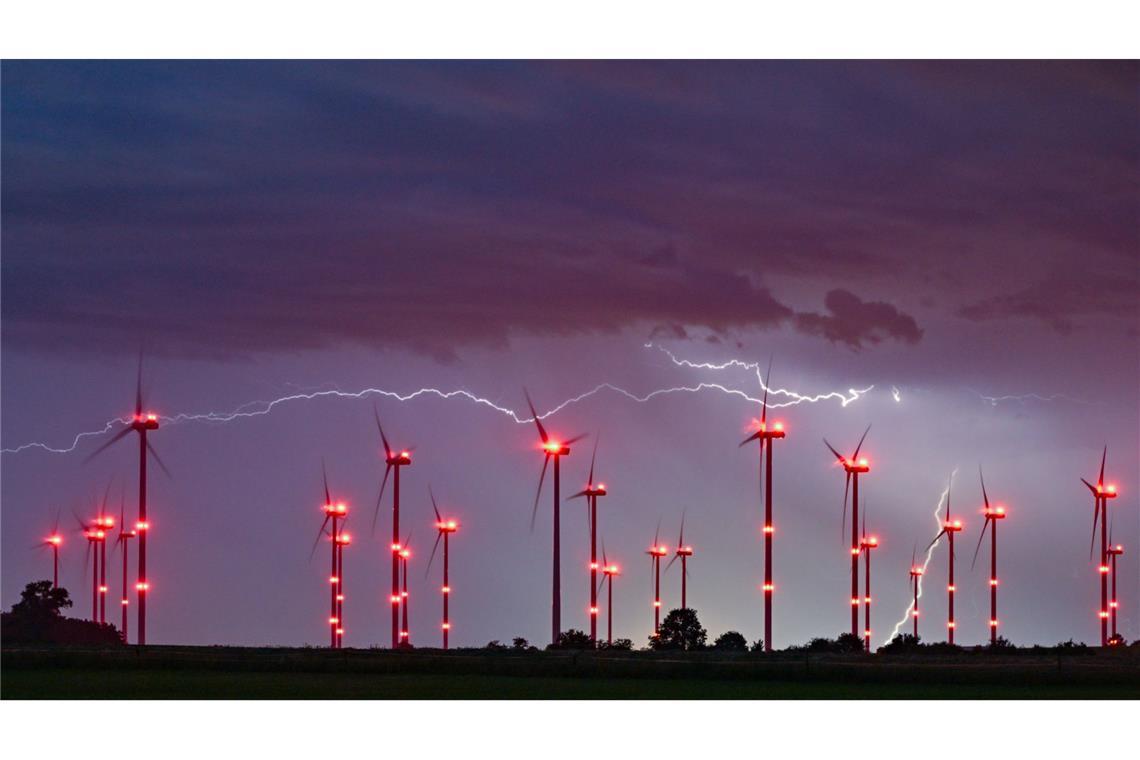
[
  {"x": 260, "y": 408},
  {"x": 1026, "y": 397},
  {"x": 926, "y": 561}
]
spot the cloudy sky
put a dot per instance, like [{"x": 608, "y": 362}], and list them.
[{"x": 959, "y": 239}]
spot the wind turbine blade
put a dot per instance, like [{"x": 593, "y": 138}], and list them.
[
  {"x": 139, "y": 387},
  {"x": 593, "y": 458},
  {"x": 949, "y": 484},
  {"x": 1103, "y": 457},
  {"x": 538, "y": 423},
  {"x": 750, "y": 438},
  {"x": 55, "y": 526},
  {"x": 114, "y": 439},
  {"x": 158, "y": 460},
  {"x": 657, "y": 532},
  {"x": 1092, "y": 539},
  {"x": 380, "y": 498},
  {"x": 604, "y": 560},
  {"x": 671, "y": 562},
  {"x": 941, "y": 533},
  {"x": 856, "y": 454},
  {"x": 985, "y": 524},
  {"x": 434, "y": 506},
  {"x": 843, "y": 525},
  {"x": 538, "y": 493},
  {"x": 383, "y": 438},
  {"x": 833, "y": 451},
  {"x": 681, "y": 539},
  {"x": 1090, "y": 485},
  {"x": 578, "y": 495},
  {"x": 320, "y": 534},
  {"x": 985, "y": 496},
  {"x": 575, "y": 439},
  {"x": 764, "y": 403},
  {"x": 438, "y": 536},
  {"x": 325, "y": 481}
]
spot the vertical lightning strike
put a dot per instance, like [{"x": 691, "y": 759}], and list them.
[{"x": 926, "y": 562}]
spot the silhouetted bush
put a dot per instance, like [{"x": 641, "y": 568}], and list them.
[
  {"x": 1000, "y": 644},
  {"x": 757, "y": 646},
  {"x": 36, "y": 619},
  {"x": 903, "y": 643},
  {"x": 731, "y": 641},
  {"x": 618, "y": 644},
  {"x": 681, "y": 629},
  {"x": 1117, "y": 640},
  {"x": 522, "y": 645},
  {"x": 573, "y": 639},
  {"x": 495, "y": 645},
  {"x": 844, "y": 643}
]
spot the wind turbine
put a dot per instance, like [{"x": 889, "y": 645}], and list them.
[
  {"x": 993, "y": 514},
  {"x": 949, "y": 528},
  {"x": 592, "y": 492},
  {"x": 1101, "y": 494},
  {"x": 54, "y": 541},
  {"x": 552, "y": 449},
  {"x": 608, "y": 573},
  {"x": 656, "y": 552},
  {"x": 444, "y": 529},
  {"x": 853, "y": 468},
  {"x": 684, "y": 551},
  {"x": 765, "y": 436},
  {"x": 341, "y": 540},
  {"x": 142, "y": 424},
  {"x": 121, "y": 540},
  {"x": 334, "y": 513},
  {"x": 866, "y": 544},
  {"x": 393, "y": 461},
  {"x": 916, "y": 572},
  {"x": 94, "y": 534}
]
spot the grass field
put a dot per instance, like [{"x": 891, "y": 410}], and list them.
[
  {"x": 72, "y": 683},
  {"x": 281, "y": 673}
]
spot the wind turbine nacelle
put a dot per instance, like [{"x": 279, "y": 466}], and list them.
[
  {"x": 396, "y": 460},
  {"x": 599, "y": 490},
  {"x": 145, "y": 422},
  {"x": 556, "y": 449},
  {"x": 997, "y": 513},
  {"x": 852, "y": 466}
]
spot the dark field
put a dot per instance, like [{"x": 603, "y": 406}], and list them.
[{"x": 235, "y": 673}]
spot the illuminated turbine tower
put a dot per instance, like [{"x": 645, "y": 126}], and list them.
[
  {"x": 866, "y": 545},
  {"x": 393, "y": 461},
  {"x": 766, "y": 438},
  {"x": 552, "y": 449},
  {"x": 142, "y": 424},
  {"x": 1101, "y": 494},
  {"x": 853, "y": 468},
  {"x": 992, "y": 514},
  {"x": 592, "y": 492},
  {"x": 916, "y": 572},
  {"x": 949, "y": 528},
  {"x": 656, "y": 552},
  {"x": 684, "y": 551},
  {"x": 444, "y": 530}
]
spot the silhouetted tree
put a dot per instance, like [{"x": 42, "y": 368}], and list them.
[
  {"x": 495, "y": 645},
  {"x": 845, "y": 642},
  {"x": 731, "y": 641},
  {"x": 573, "y": 639},
  {"x": 1116, "y": 640},
  {"x": 757, "y": 646},
  {"x": 681, "y": 629},
  {"x": 520, "y": 644},
  {"x": 37, "y": 619}
]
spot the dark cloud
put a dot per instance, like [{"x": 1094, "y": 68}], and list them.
[
  {"x": 264, "y": 206},
  {"x": 858, "y": 323}
]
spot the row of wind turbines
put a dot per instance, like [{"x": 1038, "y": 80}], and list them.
[{"x": 335, "y": 515}]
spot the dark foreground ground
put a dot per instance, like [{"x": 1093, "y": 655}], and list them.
[{"x": 249, "y": 673}]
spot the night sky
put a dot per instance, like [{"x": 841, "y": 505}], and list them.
[{"x": 960, "y": 238}]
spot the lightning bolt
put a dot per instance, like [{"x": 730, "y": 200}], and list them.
[
  {"x": 929, "y": 554},
  {"x": 1024, "y": 397},
  {"x": 261, "y": 408}
]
